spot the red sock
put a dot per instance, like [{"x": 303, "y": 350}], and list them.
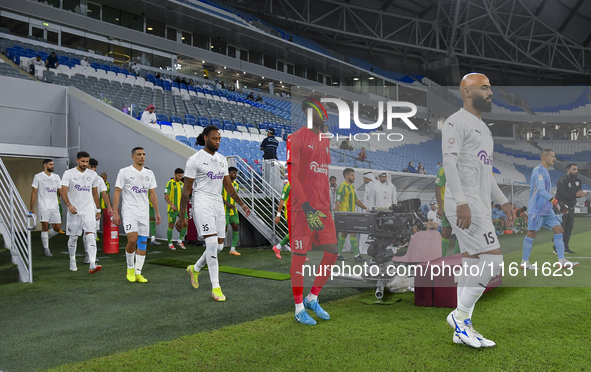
[
  {"x": 328, "y": 260},
  {"x": 297, "y": 279}
]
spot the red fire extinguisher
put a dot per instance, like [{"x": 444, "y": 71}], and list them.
[{"x": 110, "y": 233}]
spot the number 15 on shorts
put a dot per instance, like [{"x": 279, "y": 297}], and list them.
[{"x": 489, "y": 237}]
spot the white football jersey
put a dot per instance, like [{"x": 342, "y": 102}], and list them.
[
  {"x": 47, "y": 187},
  {"x": 208, "y": 171},
  {"x": 80, "y": 187},
  {"x": 135, "y": 185},
  {"x": 469, "y": 137},
  {"x": 100, "y": 184}
]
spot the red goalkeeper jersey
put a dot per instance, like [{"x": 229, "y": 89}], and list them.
[{"x": 308, "y": 157}]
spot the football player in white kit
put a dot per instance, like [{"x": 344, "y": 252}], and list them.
[
  {"x": 45, "y": 185},
  {"x": 208, "y": 169},
  {"x": 467, "y": 147},
  {"x": 102, "y": 190},
  {"x": 134, "y": 183},
  {"x": 79, "y": 192}
]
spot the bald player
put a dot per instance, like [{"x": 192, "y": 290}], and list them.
[{"x": 467, "y": 149}]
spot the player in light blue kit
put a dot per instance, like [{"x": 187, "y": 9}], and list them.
[{"x": 541, "y": 208}]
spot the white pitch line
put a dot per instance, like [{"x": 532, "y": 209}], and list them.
[{"x": 578, "y": 257}]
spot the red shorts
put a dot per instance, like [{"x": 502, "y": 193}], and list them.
[{"x": 300, "y": 236}]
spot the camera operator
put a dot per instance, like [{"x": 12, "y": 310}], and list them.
[{"x": 568, "y": 189}]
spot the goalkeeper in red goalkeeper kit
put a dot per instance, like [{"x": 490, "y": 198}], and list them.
[{"x": 310, "y": 221}]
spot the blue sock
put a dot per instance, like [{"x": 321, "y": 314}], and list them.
[
  {"x": 559, "y": 243},
  {"x": 527, "y": 246}
]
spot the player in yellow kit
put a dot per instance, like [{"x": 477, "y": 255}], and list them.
[{"x": 172, "y": 195}]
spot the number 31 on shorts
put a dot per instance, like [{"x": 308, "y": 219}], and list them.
[{"x": 298, "y": 244}]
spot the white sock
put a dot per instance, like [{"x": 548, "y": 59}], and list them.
[
  {"x": 489, "y": 265},
  {"x": 139, "y": 263},
  {"x": 45, "y": 239},
  {"x": 462, "y": 284},
  {"x": 279, "y": 246},
  {"x": 311, "y": 297},
  {"x": 130, "y": 259},
  {"x": 211, "y": 257},
  {"x": 179, "y": 241},
  {"x": 153, "y": 238},
  {"x": 90, "y": 240},
  {"x": 52, "y": 233},
  {"x": 299, "y": 307},
  {"x": 221, "y": 246},
  {"x": 72, "y": 243},
  {"x": 233, "y": 249}
]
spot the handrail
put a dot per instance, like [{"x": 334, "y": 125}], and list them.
[
  {"x": 262, "y": 199},
  {"x": 18, "y": 222}
]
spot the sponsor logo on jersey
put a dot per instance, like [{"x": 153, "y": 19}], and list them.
[
  {"x": 217, "y": 176},
  {"x": 138, "y": 190},
  {"x": 48, "y": 189},
  {"x": 319, "y": 168},
  {"x": 82, "y": 188},
  {"x": 487, "y": 160}
]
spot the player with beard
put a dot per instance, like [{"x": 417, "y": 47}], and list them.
[
  {"x": 310, "y": 220},
  {"x": 467, "y": 148},
  {"x": 79, "y": 192},
  {"x": 208, "y": 169},
  {"x": 46, "y": 184}
]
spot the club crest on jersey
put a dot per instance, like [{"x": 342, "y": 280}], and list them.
[
  {"x": 82, "y": 188},
  {"x": 451, "y": 140},
  {"x": 147, "y": 178},
  {"x": 487, "y": 160},
  {"x": 315, "y": 167},
  {"x": 217, "y": 176},
  {"x": 88, "y": 178},
  {"x": 221, "y": 164},
  {"x": 577, "y": 183}
]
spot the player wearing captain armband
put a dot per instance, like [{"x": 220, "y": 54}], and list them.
[
  {"x": 310, "y": 220},
  {"x": 467, "y": 149},
  {"x": 542, "y": 208},
  {"x": 133, "y": 184}
]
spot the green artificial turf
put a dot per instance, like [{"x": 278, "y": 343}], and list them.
[
  {"x": 109, "y": 324},
  {"x": 225, "y": 269}
]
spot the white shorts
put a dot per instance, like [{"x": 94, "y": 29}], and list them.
[
  {"x": 134, "y": 223},
  {"x": 50, "y": 215},
  {"x": 210, "y": 220},
  {"x": 479, "y": 238},
  {"x": 77, "y": 223}
]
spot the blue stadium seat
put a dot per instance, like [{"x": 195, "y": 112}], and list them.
[
  {"x": 176, "y": 119},
  {"x": 161, "y": 117}
]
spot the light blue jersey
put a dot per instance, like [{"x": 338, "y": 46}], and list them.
[
  {"x": 497, "y": 213},
  {"x": 539, "y": 193}
]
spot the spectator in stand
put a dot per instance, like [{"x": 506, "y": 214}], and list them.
[
  {"x": 290, "y": 38},
  {"x": 410, "y": 168},
  {"x": 218, "y": 86},
  {"x": 326, "y": 129},
  {"x": 148, "y": 116},
  {"x": 345, "y": 145},
  {"x": 135, "y": 68},
  {"x": 178, "y": 80},
  {"x": 191, "y": 83},
  {"x": 362, "y": 154},
  {"x": 168, "y": 79},
  {"x": 232, "y": 88},
  {"x": 206, "y": 86},
  {"x": 222, "y": 85},
  {"x": 84, "y": 62},
  {"x": 259, "y": 98},
  {"x": 271, "y": 88},
  {"x": 421, "y": 169},
  {"x": 269, "y": 145},
  {"x": 333, "y": 191},
  {"x": 158, "y": 77},
  {"x": 184, "y": 81},
  {"x": 52, "y": 61},
  {"x": 250, "y": 97},
  {"x": 35, "y": 62}
]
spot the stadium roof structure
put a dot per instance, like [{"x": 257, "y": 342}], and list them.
[{"x": 534, "y": 36}]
